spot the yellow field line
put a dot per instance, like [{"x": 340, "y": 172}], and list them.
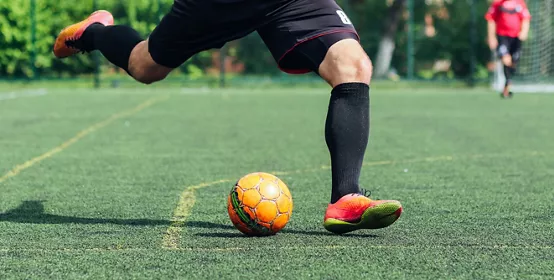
[
  {"x": 181, "y": 213},
  {"x": 17, "y": 169},
  {"x": 187, "y": 197},
  {"x": 416, "y": 160}
]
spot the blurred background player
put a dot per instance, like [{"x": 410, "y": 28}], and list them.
[
  {"x": 508, "y": 27},
  {"x": 302, "y": 35}
]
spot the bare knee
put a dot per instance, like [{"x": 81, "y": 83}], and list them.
[
  {"x": 507, "y": 60},
  {"x": 346, "y": 62},
  {"x": 143, "y": 68}
]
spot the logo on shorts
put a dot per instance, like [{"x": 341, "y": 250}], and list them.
[
  {"x": 343, "y": 17},
  {"x": 503, "y": 50}
]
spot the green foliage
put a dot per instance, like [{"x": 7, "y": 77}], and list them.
[
  {"x": 16, "y": 47},
  {"x": 14, "y": 53}
]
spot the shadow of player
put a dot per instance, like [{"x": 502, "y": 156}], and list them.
[
  {"x": 236, "y": 234},
  {"x": 32, "y": 212}
]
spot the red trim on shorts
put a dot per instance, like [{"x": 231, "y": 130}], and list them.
[{"x": 304, "y": 71}]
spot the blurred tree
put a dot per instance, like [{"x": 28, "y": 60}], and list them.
[
  {"x": 388, "y": 38},
  {"x": 14, "y": 38}
]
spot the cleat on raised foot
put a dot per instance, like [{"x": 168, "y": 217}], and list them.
[
  {"x": 67, "y": 42},
  {"x": 355, "y": 211}
]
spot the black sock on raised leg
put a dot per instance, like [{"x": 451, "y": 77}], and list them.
[
  {"x": 115, "y": 42},
  {"x": 347, "y": 134},
  {"x": 508, "y": 73}
]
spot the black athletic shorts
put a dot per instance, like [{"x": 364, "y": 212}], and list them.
[
  {"x": 509, "y": 45},
  {"x": 193, "y": 26}
]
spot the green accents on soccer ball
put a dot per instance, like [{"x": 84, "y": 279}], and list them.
[{"x": 245, "y": 218}]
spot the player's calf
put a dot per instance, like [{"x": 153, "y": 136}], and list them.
[
  {"x": 509, "y": 71},
  {"x": 142, "y": 66},
  {"x": 347, "y": 68}
]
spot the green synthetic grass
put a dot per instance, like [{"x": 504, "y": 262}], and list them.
[{"x": 473, "y": 172}]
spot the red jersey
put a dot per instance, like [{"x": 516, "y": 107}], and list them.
[{"x": 508, "y": 15}]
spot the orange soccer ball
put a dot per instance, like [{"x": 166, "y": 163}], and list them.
[{"x": 259, "y": 204}]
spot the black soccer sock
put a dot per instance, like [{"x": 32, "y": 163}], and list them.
[
  {"x": 346, "y": 134},
  {"x": 513, "y": 70},
  {"x": 115, "y": 42},
  {"x": 508, "y": 73}
]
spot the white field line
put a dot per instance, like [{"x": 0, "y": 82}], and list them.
[{"x": 20, "y": 94}]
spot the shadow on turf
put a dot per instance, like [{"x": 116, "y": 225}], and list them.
[
  {"x": 210, "y": 225},
  {"x": 32, "y": 212}
]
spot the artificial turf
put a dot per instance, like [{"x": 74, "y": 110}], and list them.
[{"x": 473, "y": 172}]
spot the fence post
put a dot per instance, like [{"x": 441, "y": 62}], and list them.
[
  {"x": 473, "y": 43},
  {"x": 33, "y": 18},
  {"x": 96, "y": 55},
  {"x": 222, "y": 70},
  {"x": 410, "y": 44},
  {"x": 534, "y": 38}
]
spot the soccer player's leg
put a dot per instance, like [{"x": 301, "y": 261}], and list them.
[
  {"x": 515, "y": 55},
  {"x": 347, "y": 69},
  {"x": 504, "y": 46},
  {"x": 329, "y": 46},
  {"x": 508, "y": 73},
  {"x": 190, "y": 27},
  {"x": 121, "y": 45}
]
